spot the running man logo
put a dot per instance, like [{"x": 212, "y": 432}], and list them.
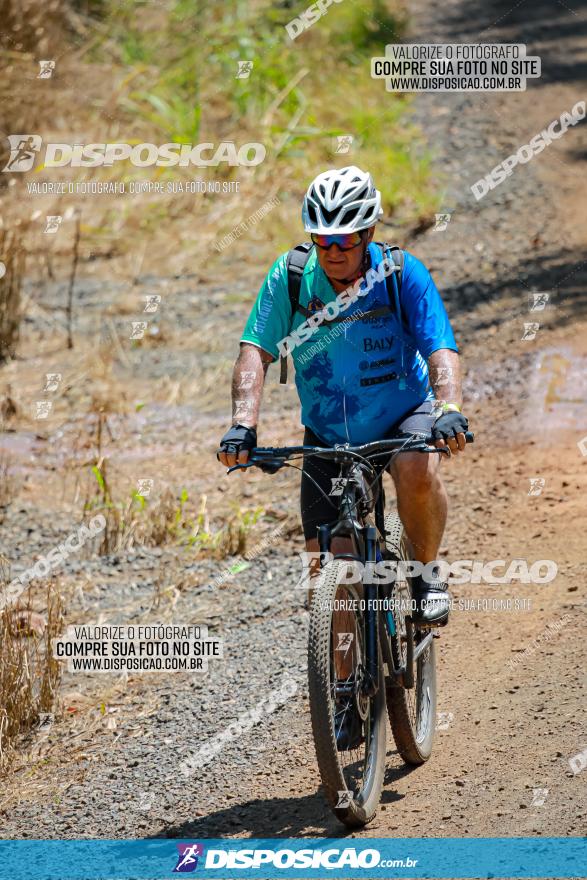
[
  {"x": 345, "y": 641},
  {"x": 152, "y": 302},
  {"x": 343, "y": 143},
  {"x": 530, "y": 330},
  {"x": 242, "y": 408},
  {"x": 52, "y": 381},
  {"x": 53, "y": 223},
  {"x": 578, "y": 762},
  {"x": 537, "y": 484},
  {"x": 144, "y": 488},
  {"x": 23, "y": 150},
  {"x": 244, "y": 69},
  {"x": 187, "y": 861},
  {"x": 46, "y": 69},
  {"x": 247, "y": 380},
  {"x": 146, "y": 801},
  {"x": 338, "y": 484},
  {"x": 138, "y": 329},
  {"x": 345, "y": 799},
  {"x": 538, "y": 301},
  {"x": 442, "y": 221},
  {"x": 441, "y": 375},
  {"x": 42, "y": 409},
  {"x": 444, "y": 720}
]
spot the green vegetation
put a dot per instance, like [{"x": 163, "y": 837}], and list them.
[
  {"x": 178, "y": 82},
  {"x": 152, "y": 72},
  {"x": 167, "y": 519}
]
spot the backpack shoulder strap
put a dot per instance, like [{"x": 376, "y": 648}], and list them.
[
  {"x": 398, "y": 259},
  {"x": 393, "y": 282},
  {"x": 397, "y": 255},
  {"x": 296, "y": 263}
]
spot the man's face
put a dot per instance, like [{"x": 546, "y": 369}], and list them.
[{"x": 338, "y": 264}]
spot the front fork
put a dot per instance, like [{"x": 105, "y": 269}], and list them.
[
  {"x": 370, "y": 680},
  {"x": 370, "y": 592}
]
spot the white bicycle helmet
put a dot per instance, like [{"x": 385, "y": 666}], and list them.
[{"x": 341, "y": 200}]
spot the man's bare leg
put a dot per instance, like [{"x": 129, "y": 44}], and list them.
[
  {"x": 421, "y": 501},
  {"x": 422, "y": 506}
]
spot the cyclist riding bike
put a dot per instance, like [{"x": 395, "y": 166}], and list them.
[{"x": 384, "y": 363}]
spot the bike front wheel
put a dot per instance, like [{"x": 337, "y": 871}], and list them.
[
  {"x": 412, "y": 711},
  {"x": 352, "y": 776}
]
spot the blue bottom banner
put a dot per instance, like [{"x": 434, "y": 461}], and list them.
[{"x": 503, "y": 857}]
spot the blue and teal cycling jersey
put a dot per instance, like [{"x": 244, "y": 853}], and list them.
[{"x": 355, "y": 379}]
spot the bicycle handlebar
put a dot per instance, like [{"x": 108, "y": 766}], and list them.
[{"x": 271, "y": 458}]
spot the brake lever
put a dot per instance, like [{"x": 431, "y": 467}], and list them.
[
  {"x": 268, "y": 467},
  {"x": 240, "y": 467},
  {"x": 442, "y": 450}
]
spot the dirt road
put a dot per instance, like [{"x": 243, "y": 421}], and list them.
[{"x": 506, "y": 729}]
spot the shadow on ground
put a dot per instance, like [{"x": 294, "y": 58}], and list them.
[
  {"x": 293, "y": 816},
  {"x": 530, "y": 22},
  {"x": 562, "y": 274}
]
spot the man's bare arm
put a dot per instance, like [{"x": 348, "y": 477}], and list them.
[
  {"x": 444, "y": 369},
  {"x": 248, "y": 379}
]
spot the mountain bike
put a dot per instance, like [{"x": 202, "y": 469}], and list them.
[{"x": 365, "y": 652}]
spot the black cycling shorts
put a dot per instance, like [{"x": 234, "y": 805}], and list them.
[{"x": 316, "y": 509}]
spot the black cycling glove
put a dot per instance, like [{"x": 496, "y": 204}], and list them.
[
  {"x": 448, "y": 425},
  {"x": 238, "y": 438}
]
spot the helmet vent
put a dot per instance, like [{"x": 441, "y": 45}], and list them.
[
  {"x": 329, "y": 215},
  {"x": 350, "y": 215}
]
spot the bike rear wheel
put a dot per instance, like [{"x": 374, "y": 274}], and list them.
[
  {"x": 412, "y": 711},
  {"x": 352, "y": 779}
]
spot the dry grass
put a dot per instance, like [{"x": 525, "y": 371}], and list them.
[
  {"x": 12, "y": 252},
  {"x": 144, "y": 78},
  {"x": 9, "y": 484},
  {"x": 168, "y": 518},
  {"x": 29, "y": 675},
  {"x": 9, "y": 408},
  {"x": 133, "y": 516}
]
